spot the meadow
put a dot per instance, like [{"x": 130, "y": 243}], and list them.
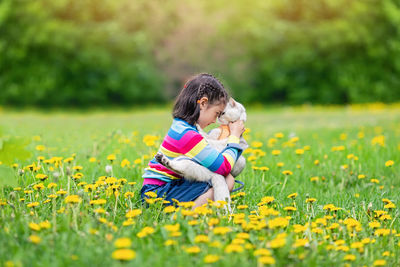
[{"x": 321, "y": 189}]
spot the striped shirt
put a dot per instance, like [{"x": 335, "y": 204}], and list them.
[{"x": 183, "y": 139}]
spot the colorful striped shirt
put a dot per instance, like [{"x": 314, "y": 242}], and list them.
[{"x": 183, "y": 139}]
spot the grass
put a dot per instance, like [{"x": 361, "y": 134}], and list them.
[{"x": 339, "y": 158}]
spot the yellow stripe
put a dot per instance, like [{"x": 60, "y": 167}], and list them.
[
  {"x": 196, "y": 149},
  {"x": 168, "y": 153},
  {"x": 233, "y": 139},
  {"x": 230, "y": 159},
  {"x": 160, "y": 172}
]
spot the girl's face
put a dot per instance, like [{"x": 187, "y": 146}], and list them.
[{"x": 209, "y": 112}]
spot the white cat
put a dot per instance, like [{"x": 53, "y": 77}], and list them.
[{"x": 193, "y": 171}]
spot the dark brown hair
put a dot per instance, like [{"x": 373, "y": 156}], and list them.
[{"x": 204, "y": 84}]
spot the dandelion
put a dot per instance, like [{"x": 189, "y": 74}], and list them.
[
  {"x": 123, "y": 242},
  {"x": 145, "y": 232},
  {"x": 222, "y": 230},
  {"x": 389, "y": 163},
  {"x": 275, "y": 152},
  {"x": 34, "y": 226},
  {"x": 211, "y": 258},
  {"x": 349, "y": 257},
  {"x": 380, "y": 263},
  {"x": 201, "y": 239},
  {"x": 234, "y": 248},
  {"x": 299, "y": 151},
  {"x": 169, "y": 209},
  {"x": 111, "y": 157},
  {"x": 287, "y": 172},
  {"x": 41, "y": 176},
  {"x": 40, "y": 147},
  {"x": 32, "y": 204},
  {"x": 125, "y": 163},
  {"x": 35, "y": 239},
  {"x": 310, "y": 200},
  {"x": 133, "y": 213},
  {"x": 292, "y": 196},
  {"x": 266, "y": 260},
  {"x": 123, "y": 254},
  {"x": 192, "y": 250},
  {"x": 170, "y": 242},
  {"x": 300, "y": 243},
  {"x": 72, "y": 199}
]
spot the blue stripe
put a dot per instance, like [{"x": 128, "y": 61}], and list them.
[
  {"x": 217, "y": 163},
  {"x": 207, "y": 156}
]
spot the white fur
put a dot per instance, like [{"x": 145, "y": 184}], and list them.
[{"x": 193, "y": 171}]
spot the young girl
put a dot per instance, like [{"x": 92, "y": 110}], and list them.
[{"x": 201, "y": 101}]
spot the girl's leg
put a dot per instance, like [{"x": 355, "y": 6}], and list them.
[{"x": 201, "y": 200}]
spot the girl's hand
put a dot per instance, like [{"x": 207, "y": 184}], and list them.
[{"x": 236, "y": 128}]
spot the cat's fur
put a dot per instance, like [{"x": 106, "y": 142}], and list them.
[{"x": 193, "y": 171}]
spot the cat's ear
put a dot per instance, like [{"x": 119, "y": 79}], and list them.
[{"x": 232, "y": 102}]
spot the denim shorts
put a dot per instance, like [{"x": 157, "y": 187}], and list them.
[{"x": 180, "y": 189}]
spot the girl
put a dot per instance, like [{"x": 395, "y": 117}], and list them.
[{"x": 201, "y": 101}]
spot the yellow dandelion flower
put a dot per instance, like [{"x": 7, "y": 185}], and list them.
[
  {"x": 299, "y": 151},
  {"x": 145, "y": 232},
  {"x": 389, "y": 163},
  {"x": 379, "y": 263},
  {"x": 211, "y": 258},
  {"x": 133, "y": 213},
  {"x": 170, "y": 242},
  {"x": 266, "y": 260},
  {"x": 349, "y": 257},
  {"x": 287, "y": 172},
  {"x": 201, "y": 239},
  {"x": 41, "y": 176},
  {"x": 222, "y": 230},
  {"x": 277, "y": 242},
  {"x": 123, "y": 242},
  {"x": 300, "y": 243},
  {"x": 292, "y": 196},
  {"x": 45, "y": 225},
  {"x": 111, "y": 157},
  {"x": 169, "y": 209},
  {"x": 35, "y": 239},
  {"x": 123, "y": 254},
  {"x": 40, "y": 147},
  {"x": 234, "y": 248},
  {"x": 32, "y": 204},
  {"x": 172, "y": 227},
  {"x": 34, "y": 226},
  {"x": 192, "y": 250},
  {"x": 262, "y": 252},
  {"x": 72, "y": 199},
  {"x": 275, "y": 152}
]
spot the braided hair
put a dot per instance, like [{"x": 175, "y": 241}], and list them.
[{"x": 186, "y": 105}]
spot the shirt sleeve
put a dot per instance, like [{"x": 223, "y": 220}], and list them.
[{"x": 196, "y": 147}]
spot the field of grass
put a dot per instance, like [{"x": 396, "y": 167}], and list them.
[{"x": 321, "y": 189}]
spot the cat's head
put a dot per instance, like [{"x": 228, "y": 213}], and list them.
[{"x": 233, "y": 111}]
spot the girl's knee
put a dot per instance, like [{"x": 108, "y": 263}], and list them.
[{"x": 230, "y": 181}]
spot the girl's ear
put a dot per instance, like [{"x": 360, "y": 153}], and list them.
[{"x": 203, "y": 102}]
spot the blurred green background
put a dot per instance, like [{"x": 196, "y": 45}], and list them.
[{"x": 70, "y": 53}]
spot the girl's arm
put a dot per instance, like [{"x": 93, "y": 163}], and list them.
[{"x": 194, "y": 146}]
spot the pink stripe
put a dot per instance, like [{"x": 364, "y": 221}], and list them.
[
  {"x": 225, "y": 168},
  {"x": 161, "y": 168},
  {"x": 153, "y": 181},
  {"x": 193, "y": 142},
  {"x": 170, "y": 146}
]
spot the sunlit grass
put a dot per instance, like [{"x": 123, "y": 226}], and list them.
[{"x": 321, "y": 188}]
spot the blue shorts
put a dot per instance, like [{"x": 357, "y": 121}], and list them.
[{"x": 180, "y": 189}]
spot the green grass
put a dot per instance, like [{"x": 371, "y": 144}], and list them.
[{"x": 76, "y": 237}]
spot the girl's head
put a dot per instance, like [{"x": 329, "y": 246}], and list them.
[{"x": 202, "y": 100}]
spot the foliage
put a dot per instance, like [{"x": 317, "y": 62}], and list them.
[{"x": 79, "y": 53}]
